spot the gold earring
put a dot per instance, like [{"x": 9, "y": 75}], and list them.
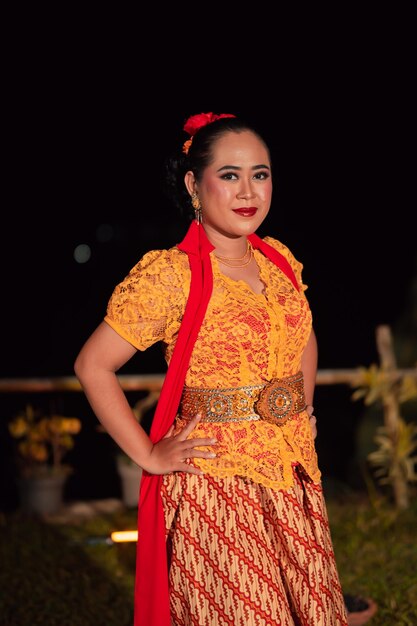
[{"x": 195, "y": 201}]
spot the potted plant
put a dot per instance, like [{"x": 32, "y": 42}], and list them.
[{"x": 42, "y": 442}]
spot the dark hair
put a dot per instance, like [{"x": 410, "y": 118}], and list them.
[{"x": 198, "y": 158}]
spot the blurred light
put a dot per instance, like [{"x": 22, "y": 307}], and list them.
[
  {"x": 96, "y": 541},
  {"x": 82, "y": 253},
  {"x": 123, "y": 536},
  {"x": 104, "y": 233}
]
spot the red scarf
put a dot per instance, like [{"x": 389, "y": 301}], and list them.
[{"x": 151, "y": 583}]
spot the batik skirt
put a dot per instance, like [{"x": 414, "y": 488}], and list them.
[{"x": 241, "y": 554}]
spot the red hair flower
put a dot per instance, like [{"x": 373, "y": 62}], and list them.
[{"x": 195, "y": 122}]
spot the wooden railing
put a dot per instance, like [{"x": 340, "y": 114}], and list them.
[{"x": 153, "y": 384}]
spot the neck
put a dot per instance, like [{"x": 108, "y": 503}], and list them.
[{"x": 225, "y": 245}]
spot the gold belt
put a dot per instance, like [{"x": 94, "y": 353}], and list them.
[{"x": 275, "y": 402}]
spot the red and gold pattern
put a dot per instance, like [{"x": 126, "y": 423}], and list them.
[
  {"x": 245, "y": 339},
  {"x": 249, "y": 540},
  {"x": 240, "y": 553}
]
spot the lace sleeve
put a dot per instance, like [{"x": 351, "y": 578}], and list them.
[
  {"x": 296, "y": 265},
  {"x": 147, "y": 306}
]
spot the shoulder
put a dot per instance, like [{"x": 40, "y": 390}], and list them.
[
  {"x": 281, "y": 247},
  {"x": 163, "y": 258},
  {"x": 159, "y": 275},
  {"x": 169, "y": 262},
  {"x": 289, "y": 256}
]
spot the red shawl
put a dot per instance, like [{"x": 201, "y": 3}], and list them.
[{"x": 151, "y": 584}]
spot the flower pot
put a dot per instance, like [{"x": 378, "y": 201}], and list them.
[
  {"x": 42, "y": 495},
  {"x": 130, "y": 476}
]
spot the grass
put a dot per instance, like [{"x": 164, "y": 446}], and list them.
[
  {"x": 55, "y": 574},
  {"x": 376, "y": 553},
  {"x": 49, "y": 576}
]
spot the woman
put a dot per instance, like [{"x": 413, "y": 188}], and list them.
[{"x": 232, "y": 524}]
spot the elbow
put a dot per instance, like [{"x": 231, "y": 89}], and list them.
[{"x": 80, "y": 367}]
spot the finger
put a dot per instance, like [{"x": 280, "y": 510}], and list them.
[
  {"x": 188, "y": 428},
  {"x": 190, "y": 469},
  {"x": 201, "y": 454},
  {"x": 169, "y": 432},
  {"x": 190, "y": 452},
  {"x": 194, "y": 443},
  {"x": 313, "y": 426},
  {"x": 182, "y": 436}
]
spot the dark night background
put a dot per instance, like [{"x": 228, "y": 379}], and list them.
[{"x": 88, "y": 151}]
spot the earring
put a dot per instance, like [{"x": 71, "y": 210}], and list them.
[{"x": 195, "y": 201}]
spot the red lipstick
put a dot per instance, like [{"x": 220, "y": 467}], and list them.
[{"x": 246, "y": 211}]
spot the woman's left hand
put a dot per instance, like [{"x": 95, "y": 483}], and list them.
[{"x": 313, "y": 421}]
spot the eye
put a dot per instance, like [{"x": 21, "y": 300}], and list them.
[
  {"x": 262, "y": 175},
  {"x": 229, "y": 176}
]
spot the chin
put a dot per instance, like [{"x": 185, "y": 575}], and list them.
[{"x": 249, "y": 227}]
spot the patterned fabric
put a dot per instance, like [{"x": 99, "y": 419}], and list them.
[
  {"x": 245, "y": 339},
  {"x": 242, "y": 554},
  {"x": 249, "y": 541}
]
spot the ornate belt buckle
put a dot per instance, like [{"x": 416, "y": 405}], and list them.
[{"x": 275, "y": 403}]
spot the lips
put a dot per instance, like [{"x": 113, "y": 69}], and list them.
[{"x": 247, "y": 211}]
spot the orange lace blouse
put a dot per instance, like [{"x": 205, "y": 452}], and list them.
[{"x": 245, "y": 339}]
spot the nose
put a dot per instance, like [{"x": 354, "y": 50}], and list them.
[{"x": 245, "y": 189}]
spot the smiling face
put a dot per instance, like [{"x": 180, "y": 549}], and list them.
[{"x": 235, "y": 190}]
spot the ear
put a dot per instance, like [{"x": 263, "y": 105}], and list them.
[{"x": 190, "y": 182}]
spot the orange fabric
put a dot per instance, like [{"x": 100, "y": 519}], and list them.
[
  {"x": 147, "y": 306},
  {"x": 245, "y": 339},
  {"x": 131, "y": 310}
]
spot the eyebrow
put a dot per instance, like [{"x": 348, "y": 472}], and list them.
[{"x": 235, "y": 167}]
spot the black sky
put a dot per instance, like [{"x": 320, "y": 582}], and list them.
[{"x": 89, "y": 141}]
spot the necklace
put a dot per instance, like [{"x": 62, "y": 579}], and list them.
[
  {"x": 227, "y": 260},
  {"x": 240, "y": 258}
]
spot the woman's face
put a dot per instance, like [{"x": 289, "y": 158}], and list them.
[{"x": 236, "y": 188}]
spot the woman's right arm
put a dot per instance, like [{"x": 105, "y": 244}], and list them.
[{"x": 103, "y": 354}]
